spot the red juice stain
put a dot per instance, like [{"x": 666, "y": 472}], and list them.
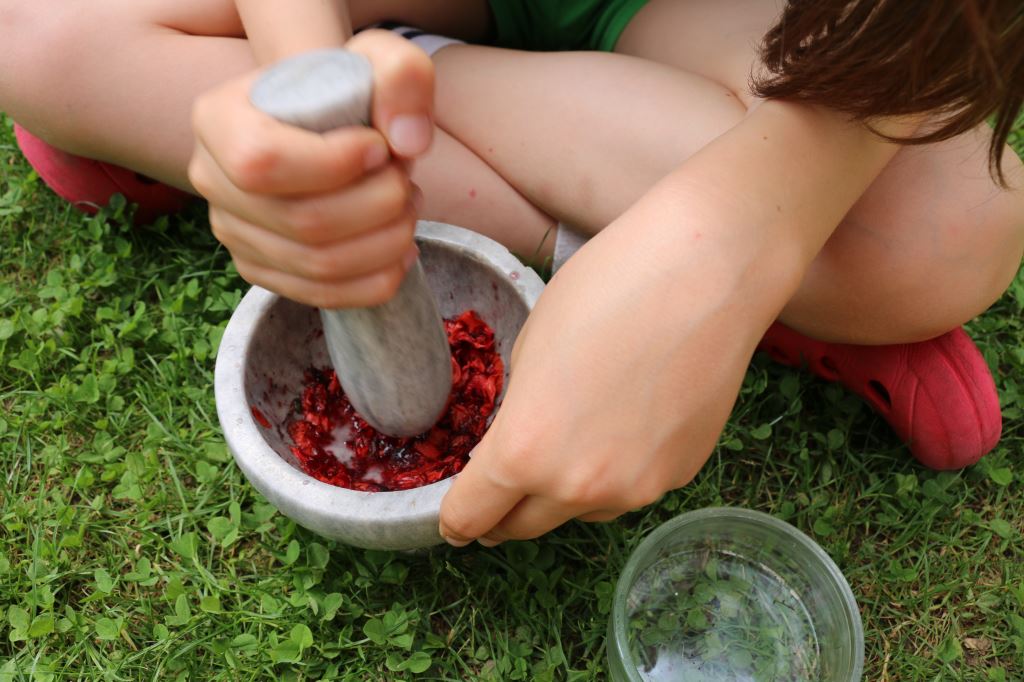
[
  {"x": 258, "y": 416},
  {"x": 380, "y": 463}
]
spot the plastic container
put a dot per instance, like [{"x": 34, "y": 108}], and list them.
[{"x": 734, "y": 595}]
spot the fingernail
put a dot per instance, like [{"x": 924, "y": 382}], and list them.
[
  {"x": 487, "y": 542},
  {"x": 455, "y": 543},
  {"x": 376, "y": 157},
  {"x": 410, "y": 258},
  {"x": 409, "y": 135}
]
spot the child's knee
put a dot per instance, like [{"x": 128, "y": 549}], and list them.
[
  {"x": 971, "y": 229},
  {"x": 1004, "y": 226},
  {"x": 989, "y": 235}
]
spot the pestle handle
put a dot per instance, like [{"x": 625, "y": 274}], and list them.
[{"x": 393, "y": 360}]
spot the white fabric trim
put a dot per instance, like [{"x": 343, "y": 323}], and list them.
[
  {"x": 567, "y": 242},
  {"x": 428, "y": 42}
]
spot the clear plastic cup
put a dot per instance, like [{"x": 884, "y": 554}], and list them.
[{"x": 733, "y": 595}]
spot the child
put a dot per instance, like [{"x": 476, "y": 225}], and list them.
[{"x": 718, "y": 211}]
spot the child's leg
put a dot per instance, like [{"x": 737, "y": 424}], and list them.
[
  {"x": 581, "y": 134},
  {"x": 136, "y": 68},
  {"x": 139, "y": 64}
]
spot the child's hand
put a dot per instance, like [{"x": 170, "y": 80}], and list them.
[
  {"x": 329, "y": 219},
  {"x": 622, "y": 380},
  {"x": 628, "y": 367}
]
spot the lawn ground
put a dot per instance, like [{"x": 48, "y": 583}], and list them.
[{"x": 131, "y": 547}]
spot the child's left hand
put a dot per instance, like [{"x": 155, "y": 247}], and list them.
[
  {"x": 622, "y": 380},
  {"x": 629, "y": 365}
]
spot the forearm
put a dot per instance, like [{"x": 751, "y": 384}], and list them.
[
  {"x": 749, "y": 212},
  {"x": 277, "y": 29}
]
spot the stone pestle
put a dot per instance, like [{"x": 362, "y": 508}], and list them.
[{"x": 393, "y": 359}]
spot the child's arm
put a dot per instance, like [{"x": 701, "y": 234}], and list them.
[
  {"x": 630, "y": 363},
  {"x": 280, "y": 29}
]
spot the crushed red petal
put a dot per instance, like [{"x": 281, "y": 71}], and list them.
[
  {"x": 258, "y": 416},
  {"x": 427, "y": 450},
  {"x": 382, "y": 463}
]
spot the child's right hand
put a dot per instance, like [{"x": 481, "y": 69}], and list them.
[{"x": 326, "y": 220}]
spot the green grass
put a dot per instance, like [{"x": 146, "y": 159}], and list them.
[{"x": 132, "y": 548}]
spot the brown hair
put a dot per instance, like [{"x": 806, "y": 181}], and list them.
[{"x": 960, "y": 61}]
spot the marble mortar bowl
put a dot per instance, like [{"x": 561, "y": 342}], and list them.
[{"x": 270, "y": 341}]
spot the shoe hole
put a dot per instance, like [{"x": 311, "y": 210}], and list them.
[
  {"x": 828, "y": 368},
  {"x": 778, "y": 355},
  {"x": 880, "y": 394},
  {"x": 145, "y": 179}
]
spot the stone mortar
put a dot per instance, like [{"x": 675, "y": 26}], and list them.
[{"x": 269, "y": 343}]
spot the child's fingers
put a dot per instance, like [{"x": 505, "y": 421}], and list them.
[
  {"x": 263, "y": 156},
  {"x": 360, "y": 292},
  {"x": 478, "y": 500},
  {"x": 602, "y": 516},
  {"x": 532, "y": 517},
  {"x": 375, "y": 200},
  {"x": 337, "y": 262},
  {"x": 403, "y": 93}
]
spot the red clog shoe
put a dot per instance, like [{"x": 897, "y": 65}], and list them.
[
  {"x": 88, "y": 184},
  {"x": 939, "y": 395}
]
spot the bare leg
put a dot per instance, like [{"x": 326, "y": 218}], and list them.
[
  {"x": 581, "y": 134},
  {"x": 460, "y": 189},
  {"x": 132, "y": 107}
]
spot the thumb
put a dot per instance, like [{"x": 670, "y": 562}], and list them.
[
  {"x": 403, "y": 93},
  {"x": 479, "y": 498}
]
